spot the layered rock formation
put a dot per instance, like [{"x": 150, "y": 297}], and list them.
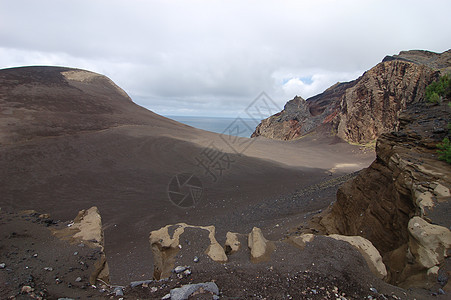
[
  {"x": 361, "y": 110},
  {"x": 401, "y": 203}
]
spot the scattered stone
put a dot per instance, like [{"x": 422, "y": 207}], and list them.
[
  {"x": 439, "y": 130},
  {"x": 187, "y": 272},
  {"x": 196, "y": 259},
  {"x": 48, "y": 269},
  {"x": 118, "y": 291},
  {"x": 2, "y": 265},
  {"x": 153, "y": 289},
  {"x": 78, "y": 279},
  {"x": 26, "y": 289},
  {"x": 180, "y": 269},
  {"x": 138, "y": 283},
  {"x": 441, "y": 292},
  {"x": 188, "y": 290},
  {"x": 44, "y": 216},
  {"x": 35, "y": 255},
  {"x": 75, "y": 253},
  {"x": 373, "y": 290},
  {"x": 166, "y": 297}
]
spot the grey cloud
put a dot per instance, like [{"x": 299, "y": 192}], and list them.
[{"x": 216, "y": 55}]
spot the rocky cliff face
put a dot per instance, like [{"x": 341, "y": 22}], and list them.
[
  {"x": 361, "y": 110},
  {"x": 401, "y": 203}
]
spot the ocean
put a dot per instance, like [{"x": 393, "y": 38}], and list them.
[{"x": 243, "y": 127}]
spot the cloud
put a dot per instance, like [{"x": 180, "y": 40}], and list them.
[{"x": 214, "y": 57}]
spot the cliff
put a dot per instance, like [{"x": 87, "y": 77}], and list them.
[
  {"x": 361, "y": 110},
  {"x": 401, "y": 203}
]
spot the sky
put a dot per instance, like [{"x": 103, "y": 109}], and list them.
[{"x": 213, "y": 58}]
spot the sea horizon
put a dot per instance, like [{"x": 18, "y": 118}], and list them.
[{"x": 237, "y": 126}]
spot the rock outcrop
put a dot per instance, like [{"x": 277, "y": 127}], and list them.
[
  {"x": 361, "y": 110},
  {"x": 433, "y": 60},
  {"x": 171, "y": 255},
  {"x": 165, "y": 246},
  {"x": 401, "y": 203},
  {"x": 87, "y": 229},
  {"x": 260, "y": 247},
  {"x": 364, "y": 246}
]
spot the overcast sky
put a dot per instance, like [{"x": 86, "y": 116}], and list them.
[{"x": 212, "y": 58}]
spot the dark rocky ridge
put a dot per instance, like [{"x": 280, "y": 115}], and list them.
[
  {"x": 361, "y": 110},
  {"x": 404, "y": 189},
  {"x": 47, "y": 101}
]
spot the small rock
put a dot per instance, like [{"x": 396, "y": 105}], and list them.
[
  {"x": 48, "y": 269},
  {"x": 373, "y": 290},
  {"x": 78, "y": 279},
  {"x": 187, "y": 290},
  {"x": 137, "y": 283},
  {"x": 35, "y": 255},
  {"x": 44, "y": 216},
  {"x": 187, "y": 272},
  {"x": 2, "y": 265},
  {"x": 180, "y": 269},
  {"x": 314, "y": 291},
  {"x": 441, "y": 292},
  {"x": 196, "y": 259},
  {"x": 166, "y": 297},
  {"x": 75, "y": 253},
  {"x": 439, "y": 130},
  {"x": 81, "y": 245},
  {"x": 26, "y": 289},
  {"x": 153, "y": 289},
  {"x": 118, "y": 291}
]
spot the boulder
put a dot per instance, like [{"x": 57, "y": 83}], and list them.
[
  {"x": 232, "y": 243},
  {"x": 368, "y": 251},
  {"x": 188, "y": 290},
  {"x": 429, "y": 243},
  {"x": 261, "y": 248}
]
